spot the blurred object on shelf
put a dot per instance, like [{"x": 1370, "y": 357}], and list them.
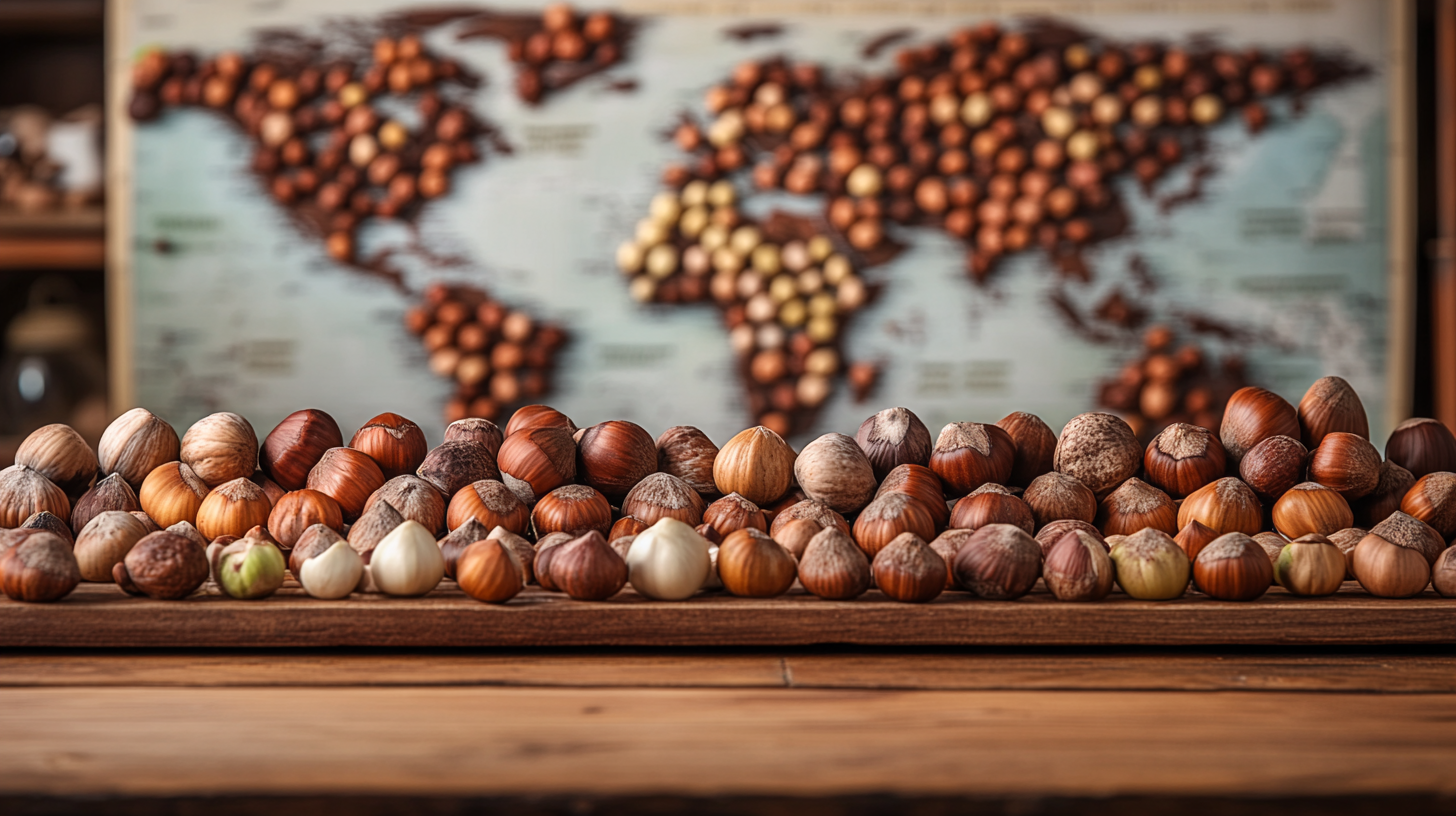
[
  {"x": 1170, "y": 383},
  {"x": 49, "y": 163},
  {"x": 53, "y": 368}
]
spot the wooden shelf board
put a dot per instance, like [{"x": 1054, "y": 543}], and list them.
[
  {"x": 52, "y": 252},
  {"x": 99, "y": 615}
]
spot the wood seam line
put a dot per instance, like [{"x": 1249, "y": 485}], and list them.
[{"x": 789, "y": 684}]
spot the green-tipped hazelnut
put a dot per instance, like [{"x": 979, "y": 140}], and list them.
[
  {"x": 1150, "y": 565},
  {"x": 1310, "y": 565},
  {"x": 251, "y": 567}
]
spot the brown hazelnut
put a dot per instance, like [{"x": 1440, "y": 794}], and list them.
[
  {"x": 1035, "y": 446},
  {"x": 1395, "y": 482},
  {"x": 172, "y": 493},
  {"x": 834, "y": 470},
  {"x": 104, "y": 541},
  {"x": 313, "y": 541},
  {"x": 538, "y": 416},
  {"x": 478, "y": 430},
  {"x": 1135, "y": 506},
  {"x": 378, "y": 521},
  {"x": 1433, "y": 500},
  {"x": 921, "y": 483},
  {"x": 970, "y": 454},
  {"x": 1273, "y": 466},
  {"x": 662, "y": 495},
  {"x": 795, "y": 535},
  {"x": 1309, "y": 508},
  {"x": 49, "y": 522},
  {"x": 614, "y": 456},
  {"x": 1390, "y": 568},
  {"x": 233, "y": 508},
  {"x": 346, "y": 475},
  {"x": 453, "y": 544},
  {"x": 1053, "y": 496},
  {"x": 1050, "y": 534},
  {"x": 1421, "y": 446},
  {"x": 757, "y": 464},
  {"x": 1329, "y": 406},
  {"x": 39, "y": 569},
  {"x": 752, "y": 565},
  {"x": 1183, "y": 458},
  {"x": 1226, "y": 506},
  {"x": 491, "y": 503},
  {"x": 1408, "y": 531},
  {"x": 1252, "y": 415},
  {"x": 1000, "y": 562},
  {"x": 732, "y": 513},
  {"x": 292, "y": 448},
  {"x": 111, "y": 493},
  {"x": 811, "y": 509},
  {"x": 1346, "y": 463},
  {"x": 688, "y": 453},
  {"x": 220, "y": 448},
  {"x": 395, "y": 443},
  {"x": 24, "y": 492},
  {"x": 1233, "y": 568},
  {"x": 537, "y": 460},
  {"x": 1443, "y": 574},
  {"x": 1194, "y": 536},
  {"x": 58, "y": 453},
  {"x": 1346, "y": 540},
  {"x": 625, "y": 527},
  {"x": 982, "y": 508},
  {"x": 490, "y": 571},
  {"x": 1077, "y": 568},
  {"x": 888, "y": 516},
  {"x": 415, "y": 499},
  {"x": 453, "y": 465},
  {"x": 586, "y": 568},
  {"x": 893, "y": 437},
  {"x": 135, "y": 444},
  {"x": 573, "y": 509},
  {"x": 1099, "y": 450},
  {"x": 908, "y": 570},
  {"x": 164, "y": 566},
  {"x": 832, "y": 567},
  {"x": 300, "y": 509}
]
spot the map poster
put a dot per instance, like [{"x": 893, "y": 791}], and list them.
[{"x": 726, "y": 214}]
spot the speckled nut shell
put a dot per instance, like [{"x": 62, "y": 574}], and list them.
[
  {"x": 832, "y": 469},
  {"x": 970, "y": 454},
  {"x": 1054, "y": 496},
  {"x": 1099, "y": 450}
]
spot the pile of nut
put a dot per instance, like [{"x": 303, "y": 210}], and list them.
[
  {"x": 988, "y": 510},
  {"x": 559, "y": 48},
  {"x": 327, "y": 148},
  {"x": 1168, "y": 385},
  {"x": 496, "y": 355}
]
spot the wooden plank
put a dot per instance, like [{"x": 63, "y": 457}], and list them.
[
  {"x": 493, "y": 741},
  {"x": 50, "y": 252},
  {"x": 101, "y": 616},
  {"x": 1059, "y": 670}
]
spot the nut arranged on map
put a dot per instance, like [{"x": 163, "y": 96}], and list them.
[
  {"x": 562, "y": 47},
  {"x": 1169, "y": 384}
]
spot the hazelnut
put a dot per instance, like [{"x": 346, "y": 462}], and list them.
[
  {"x": 832, "y": 567},
  {"x": 1183, "y": 458},
  {"x": 908, "y": 570},
  {"x": 233, "y": 508},
  {"x": 1345, "y": 541},
  {"x": 1407, "y": 531},
  {"x": 538, "y": 416},
  {"x": 624, "y": 528},
  {"x": 300, "y": 509},
  {"x": 1134, "y": 506},
  {"x": 537, "y": 460},
  {"x": 1443, "y": 574},
  {"x": 313, "y": 541},
  {"x": 490, "y": 571},
  {"x": 946, "y": 545},
  {"x": 152, "y": 526},
  {"x": 614, "y": 456},
  {"x": 1433, "y": 500},
  {"x": 415, "y": 499},
  {"x": 970, "y": 454},
  {"x": 1252, "y": 415},
  {"x": 39, "y": 569},
  {"x": 1233, "y": 568},
  {"x": 1390, "y": 569},
  {"x": 893, "y": 437},
  {"x": 251, "y": 567},
  {"x": 490, "y": 503},
  {"x": 1273, "y": 466},
  {"x": 407, "y": 562},
  {"x": 1194, "y": 536},
  {"x": 395, "y": 443},
  {"x": 662, "y": 495},
  {"x": 668, "y": 561},
  {"x": 1053, "y": 496},
  {"x": 1329, "y": 406},
  {"x": 999, "y": 562},
  {"x": 1099, "y": 450},
  {"x": 58, "y": 453},
  {"x": 1346, "y": 463},
  {"x": 1395, "y": 482},
  {"x": 330, "y": 573},
  {"x": 573, "y": 509},
  {"x": 546, "y": 550},
  {"x": 135, "y": 444},
  {"x": 172, "y": 493},
  {"x": 454, "y": 465},
  {"x": 921, "y": 483},
  {"x": 1271, "y": 543},
  {"x": 757, "y": 464},
  {"x": 1150, "y": 566},
  {"x": 1050, "y": 534},
  {"x": 1226, "y": 506},
  {"x": 687, "y": 453},
  {"x": 1035, "y": 446},
  {"x": 297, "y": 443},
  {"x": 347, "y": 476},
  {"x": 111, "y": 493},
  {"x": 732, "y": 513},
  {"x": 795, "y": 535},
  {"x": 1310, "y": 565},
  {"x": 24, "y": 492},
  {"x": 1077, "y": 568},
  {"x": 982, "y": 508},
  {"x": 752, "y": 565},
  {"x": 810, "y": 509},
  {"x": 164, "y": 566},
  {"x": 834, "y": 470},
  {"x": 1421, "y": 446},
  {"x": 586, "y": 568},
  {"x": 381, "y": 519},
  {"x": 888, "y": 516},
  {"x": 1310, "y": 508},
  {"x": 49, "y": 522},
  {"x": 220, "y": 448},
  {"x": 476, "y": 429}
]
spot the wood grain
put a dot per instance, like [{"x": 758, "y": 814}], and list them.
[
  {"x": 100, "y": 615},
  {"x": 493, "y": 741},
  {"x": 1058, "y": 670}
]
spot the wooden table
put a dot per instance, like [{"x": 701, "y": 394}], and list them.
[{"x": 858, "y": 729}]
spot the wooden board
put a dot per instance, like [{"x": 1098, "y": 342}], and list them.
[
  {"x": 100, "y": 615},
  {"x": 710, "y": 742}
]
